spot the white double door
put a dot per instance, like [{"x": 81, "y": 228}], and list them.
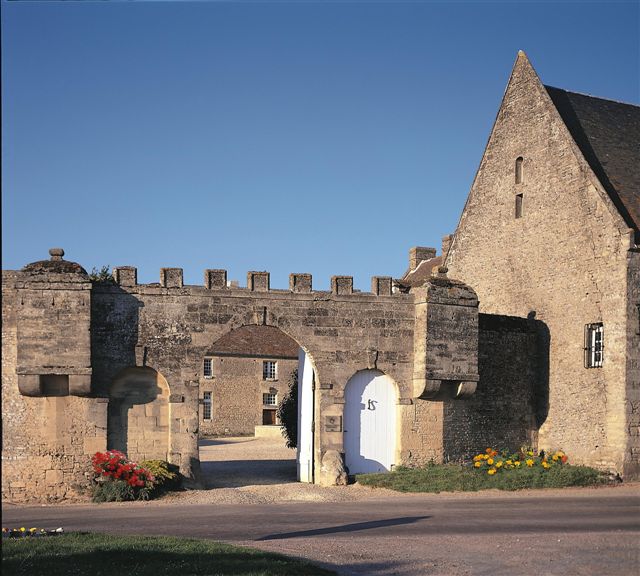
[{"x": 370, "y": 415}]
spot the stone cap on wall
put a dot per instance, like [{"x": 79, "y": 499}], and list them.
[{"x": 56, "y": 265}]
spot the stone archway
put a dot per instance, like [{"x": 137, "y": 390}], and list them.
[{"x": 138, "y": 414}]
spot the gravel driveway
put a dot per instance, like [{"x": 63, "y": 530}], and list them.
[{"x": 249, "y": 470}]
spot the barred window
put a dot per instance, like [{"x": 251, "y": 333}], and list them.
[
  {"x": 269, "y": 399},
  {"x": 593, "y": 345},
  {"x": 206, "y": 406},
  {"x": 269, "y": 370},
  {"x": 207, "y": 368}
]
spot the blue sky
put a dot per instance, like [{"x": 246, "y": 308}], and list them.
[{"x": 321, "y": 137}]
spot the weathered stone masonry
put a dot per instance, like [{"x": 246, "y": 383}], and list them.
[{"x": 151, "y": 339}]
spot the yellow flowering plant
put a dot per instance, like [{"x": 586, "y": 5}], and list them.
[{"x": 491, "y": 461}]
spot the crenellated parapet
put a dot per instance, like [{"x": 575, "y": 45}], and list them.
[{"x": 257, "y": 281}]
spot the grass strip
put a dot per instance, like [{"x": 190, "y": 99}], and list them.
[
  {"x": 77, "y": 553},
  {"x": 456, "y": 478}
]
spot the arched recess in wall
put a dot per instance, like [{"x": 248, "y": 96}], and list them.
[
  {"x": 370, "y": 422},
  {"x": 138, "y": 414}
]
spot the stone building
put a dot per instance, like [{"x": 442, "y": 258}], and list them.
[
  {"x": 244, "y": 377},
  {"x": 523, "y": 331},
  {"x": 551, "y": 229}
]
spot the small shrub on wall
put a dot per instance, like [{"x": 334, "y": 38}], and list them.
[{"x": 166, "y": 477}]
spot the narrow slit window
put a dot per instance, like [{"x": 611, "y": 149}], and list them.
[
  {"x": 518, "y": 205},
  {"x": 593, "y": 345},
  {"x": 206, "y": 406},
  {"x": 519, "y": 175}
]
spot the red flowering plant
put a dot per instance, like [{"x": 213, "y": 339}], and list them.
[{"x": 118, "y": 478}]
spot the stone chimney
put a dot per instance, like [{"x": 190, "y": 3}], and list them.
[
  {"x": 418, "y": 254},
  {"x": 446, "y": 244}
]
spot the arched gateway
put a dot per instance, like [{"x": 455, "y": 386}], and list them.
[{"x": 139, "y": 350}]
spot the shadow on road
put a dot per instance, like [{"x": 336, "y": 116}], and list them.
[{"x": 356, "y": 527}]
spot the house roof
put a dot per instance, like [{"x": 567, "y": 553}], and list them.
[
  {"x": 421, "y": 273},
  {"x": 262, "y": 341},
  {"x": 608, "y": 135}
]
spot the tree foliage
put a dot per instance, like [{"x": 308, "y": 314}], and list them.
[{"x": 288, "y": 412}]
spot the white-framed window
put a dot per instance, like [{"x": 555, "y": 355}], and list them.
[
  {"x": 593, "y": 345},
  {"x": 207, "y": 368},
  {"x": 269, "y": 399},
  {"x": 269, "y": 370},
  {"x": 206, "y": 406}
]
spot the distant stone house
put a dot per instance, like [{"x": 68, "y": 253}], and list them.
[{"x": 244, "y": 377}]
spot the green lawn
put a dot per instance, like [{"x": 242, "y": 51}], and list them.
[
  {"x": 106, "y": 555},
  {"x": 452, "y": 478}
]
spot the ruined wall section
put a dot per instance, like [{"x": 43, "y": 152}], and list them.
[{"x": 563, "y": 258}]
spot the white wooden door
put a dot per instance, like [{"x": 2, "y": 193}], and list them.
[
  {"x": 370, "y": 412},
  {"x": 305, "y": 417}
]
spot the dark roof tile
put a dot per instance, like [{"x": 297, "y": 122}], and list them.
[
  {"x": 608, "y": 135},
  {"x": 262, "y": 341}
]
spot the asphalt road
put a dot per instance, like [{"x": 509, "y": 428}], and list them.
[{"x": 571, "y": 532}]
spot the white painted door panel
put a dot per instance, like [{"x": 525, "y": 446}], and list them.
[
  {"x": 370, "y": 422},
  {"x": 305, "y": 418}
]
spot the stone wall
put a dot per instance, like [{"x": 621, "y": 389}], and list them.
[
  {"x": 236, "y": 387},
  {"x": 564, "y": 259},
  {"x": 510, "y": 400},
  {"x": 632, "y": 429},
  {"x": 47, "y": 442}
]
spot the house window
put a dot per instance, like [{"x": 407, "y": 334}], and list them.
[
  {"x": 593, "y": 345},
  {"x": 518, "y": 205},
  {"x": 206, "y": 406},
  {"x": 269, "y": 399},
  {"x": 519, "y": 175},
  {"x": 269, "y": 370},
  {"x": 207, "y": 368}
]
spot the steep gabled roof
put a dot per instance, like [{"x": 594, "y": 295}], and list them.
[
  {"x": 260, "y": 341},
  {"x": 608, "y": 135}
]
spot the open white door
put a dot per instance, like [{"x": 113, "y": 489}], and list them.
[{"x": 305, "y": 417}]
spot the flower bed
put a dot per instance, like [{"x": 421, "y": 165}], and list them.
[
  {"x": 30, "y": 532},
  {"x": 118, "y": 478},
  {"x": 493, "y": 462}
]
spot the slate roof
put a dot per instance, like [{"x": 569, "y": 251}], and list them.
[
  {"x": 261, "y": 341},
  {"x": 608, "y": 135},
  {"x": 420, "y": 274}
]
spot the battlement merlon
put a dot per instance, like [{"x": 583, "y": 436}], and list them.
[{"x": 257, "y": 281}]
